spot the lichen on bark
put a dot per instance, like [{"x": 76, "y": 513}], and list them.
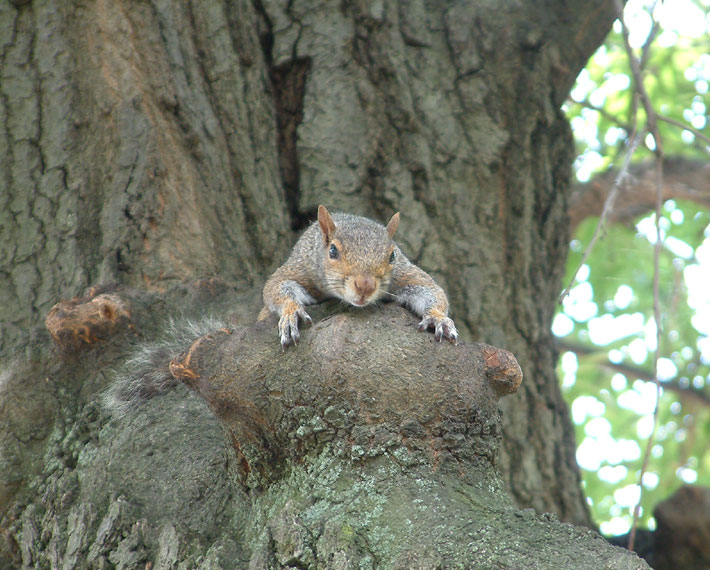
[{"x": 367, "y": 445}]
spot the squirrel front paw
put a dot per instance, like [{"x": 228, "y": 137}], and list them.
[
  {"x": 288, "y": 323},
  {"x": 443, "y": 326}
]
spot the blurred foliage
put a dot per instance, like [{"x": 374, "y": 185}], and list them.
[
  {"x": 676, "y": 73},
  {"x": 606, "y": 325}
]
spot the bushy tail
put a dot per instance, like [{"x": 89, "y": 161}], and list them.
[{"x": 146, "y": 372}]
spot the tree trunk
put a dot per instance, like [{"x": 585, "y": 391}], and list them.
[{"x": 154, "y": 143}]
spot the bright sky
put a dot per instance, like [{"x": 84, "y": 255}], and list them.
[{"x": 599, "y": 451}]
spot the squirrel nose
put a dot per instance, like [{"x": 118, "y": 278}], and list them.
[{"x": 364, "y": 285}]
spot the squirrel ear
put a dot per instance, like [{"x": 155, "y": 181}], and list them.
[
  {"x": 327, "y": 225},
  {"x": 393, "y": 224}
]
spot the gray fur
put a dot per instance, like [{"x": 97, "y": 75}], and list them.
[
  {"x": 146, "y": 372},
  {"x": 360, "y": 234},
  {"x": 360, "y": 272},
  {"x": 417, "y": 298},
  {"x": 297, "y": 292}
]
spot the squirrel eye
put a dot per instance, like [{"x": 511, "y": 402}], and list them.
[
  {"x": 333, "y": 251},
  {"x": 392, "y": 256}
]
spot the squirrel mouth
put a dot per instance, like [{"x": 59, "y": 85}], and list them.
[{"x": 361, "y": 300}]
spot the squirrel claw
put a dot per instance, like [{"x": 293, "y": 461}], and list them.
[
  {"x": 288, "y": 326},
  {"x": 443, "y": 328}
]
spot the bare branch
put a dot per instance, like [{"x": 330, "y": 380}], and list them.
[
  {"x": 606, "y": 211},
  {"x": 646, "y": 49},
  {"x": 652, "y": 126},
  {"x": 684, "y": 179},
  {"x": 603, "y": 112},
  {"x": 685, "y": 127},
  {"x": 685, "y": 394}
]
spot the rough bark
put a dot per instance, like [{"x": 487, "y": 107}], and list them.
[
  {"x": 150, "y": 143},
  {"x": 682, "y": 539},
  {"x": 137, "y": 146},
  {"x": 682, "y": 535},
  {"x": 369, "y": 445}
]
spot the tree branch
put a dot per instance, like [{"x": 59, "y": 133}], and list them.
[
  {"x": 685, "y": 127},
  {"x": 684, "y": 179},
  {"x": 686, "y": 394},
  {"x": 607, "y": 208},
  {"x": 603, "y": 112},
  {"x": 652, "y": 127}
]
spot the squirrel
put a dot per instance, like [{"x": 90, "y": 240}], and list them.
[
  {"x": 341, "y": 255},
  {"x": 353, "y": 259}
]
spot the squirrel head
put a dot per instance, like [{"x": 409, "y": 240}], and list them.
[{"x": 359, "y": 256}]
